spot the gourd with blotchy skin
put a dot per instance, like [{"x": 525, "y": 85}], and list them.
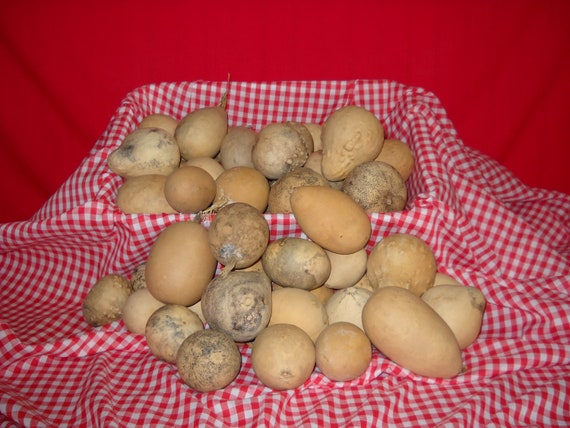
[
  {"x": 145, "y": 151},
  {"x": 281, "y": 147},
  {"x": 410, "y": 333},
  {"x": 279, "y": 200},
  {"x": 351, "y": 135},
  {"x": 137, "y": 277},
  {"x": 238, "y": 235},
  {"x": 377, "y": 187},
  {"x": 180, "y": 265},
  {"x": 105, "y": 300},
  {"x": 167, "y": 327},
  {"x": 208, "y": 360},
  {"x": 238, "y": 304},
  {"x": 296, "y": 262},
  {"x": 331, "y": 218}
]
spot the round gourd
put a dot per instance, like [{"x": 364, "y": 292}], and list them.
[
  {"x": 210, "y": 165},
  {"x": 314, "y": 162},
  {"x": 208, "y": 360},
  {"x": 189, "y": 189},
  {"x": 104, "y": 302},
  {"x": 283, "y": 356},
  {"x": 402, "y": 260},
  {"x": 410, "y": 333},
  {"x": 238, "y": 304},
  {"x": 242, "y": 184},
  {"x": 137, "y": 277},
  {"x": 197, "y": 309},
  {"x": 331, "y": 218},
  {"x": 364, "y": 282},
  {"x": 159, "y": 120},
  {"x": 442, "y": 278},
  {"x": 343, "y": 351},
  {"x": 296, "y": 262},
  {"x": 315, "y": 129},
  {"x": 180, "y": 264},
  {"x": 280, "y": 147},
  {"x": 138, "y": 308},
  {"x": 376, "y": 187},
  {"x": 323, "y": 293},
  {"x": 236, "y": 147},
  {"x": 238, "y": 235}
]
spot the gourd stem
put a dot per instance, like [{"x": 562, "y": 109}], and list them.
[{"x": 223, "y": 100}]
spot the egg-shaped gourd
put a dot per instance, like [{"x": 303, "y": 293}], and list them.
[
  {"x": 180, "y": 264},
  {"x": 331, "y": 218},
  {"x": 410, "y": 333}
]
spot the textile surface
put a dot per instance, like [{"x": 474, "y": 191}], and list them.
[{"x": 486, "y": 228}]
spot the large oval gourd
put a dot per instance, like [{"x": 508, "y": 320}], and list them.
[
  {"x": 409, "y": 332},
  {"x": 331, "y": 218},
  {"x": 180, "y": 264}
]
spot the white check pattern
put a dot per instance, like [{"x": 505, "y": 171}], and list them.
[{"x": 486, "y": 228}]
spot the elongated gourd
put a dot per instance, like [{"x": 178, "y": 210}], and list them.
[{"x": 331, "y": 218}]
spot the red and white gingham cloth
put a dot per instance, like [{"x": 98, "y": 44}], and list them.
[{"x": 486, "y": 228}]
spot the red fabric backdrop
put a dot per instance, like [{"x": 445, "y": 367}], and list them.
[{"x": 501, "y": 70}]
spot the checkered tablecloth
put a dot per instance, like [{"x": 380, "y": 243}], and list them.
[{"x": 487, "y": 229}]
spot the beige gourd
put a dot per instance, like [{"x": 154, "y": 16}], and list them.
[{"x": 351, "y": 135}]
